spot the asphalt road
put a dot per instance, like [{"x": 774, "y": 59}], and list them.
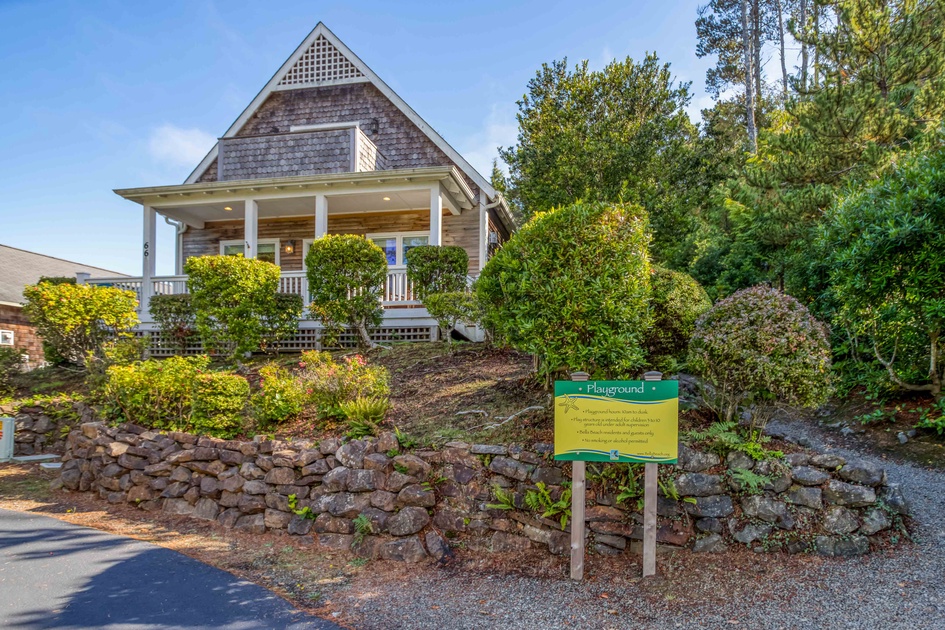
[{"x": 58, "y": 575}]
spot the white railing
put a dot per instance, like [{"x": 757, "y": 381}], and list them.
[{"x": 398, "y": 290}]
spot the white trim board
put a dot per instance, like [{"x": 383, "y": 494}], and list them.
[{"x": 370, "y": 76}]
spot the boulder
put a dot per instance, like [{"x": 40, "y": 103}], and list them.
[
  {"x": 699, "y": 485},
  {"x": 711, "y": 525},
  {"x": 503, "y": 541},
  {"x": 863, "y": 472},
  {"x": 404, "y": 550},
  {"x": 361, "y": 480},
  {"x": 875, "y": 520},
  {"x": 690, "y": 460},
  {"x": 808, "y": 497},
  {"x": 712, "y": 543},
  {"x": 277, "y": 519},
  {"x": 716, "y": 507},
  {"x": 438, "y": 548},
  {"x": 206, "y": 509},
  {"x": 548, "y": 475},
  {"x": 768, "y": 510},
  {"x": 409, "y": 520},
  {"x": 737, "y": 459},
  {"x": 824, "y": 460},
  {"x": 416, "y": 494},
  {"x": 252, "y": 523},
  {"x": 352, "y": 454},
  {"x": 281, "y": 476},
  {"x": 328, "y": 524},
  {"x": 808, "y": 476},
  {"x": 750, "y": 532},
  {"x": 840, "y": 493},
  {"x": 336, "y": 542},
  {"x": 300, "y": 526},
  {"x": 892, "y": 496},
  {"x": 839, "y": 520},
  {"x": 348, "y": 505},
  {"x": 384, "y": 500},
  {"x": 511, "y": 468}
]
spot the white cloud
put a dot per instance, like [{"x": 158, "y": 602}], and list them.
[
  {"x": 177, "y": 147},
  {"x": 500, "y": 129}
]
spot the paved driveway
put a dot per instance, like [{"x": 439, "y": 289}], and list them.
[{"x": 58, "y": 575}]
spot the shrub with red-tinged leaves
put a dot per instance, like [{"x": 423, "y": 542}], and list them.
[{"x": 761, "y": 348}]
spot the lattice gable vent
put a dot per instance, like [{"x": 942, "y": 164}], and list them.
[{"x": 321, "y": 63}]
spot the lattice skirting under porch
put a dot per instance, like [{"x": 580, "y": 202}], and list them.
[{"x": 303, "y": 339}]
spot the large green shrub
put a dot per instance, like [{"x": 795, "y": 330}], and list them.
[
  {"x": 437, "y": 269},
  {"x": 231, "y": 296},
  {"x": 220, "y": 400},
  {"x": 886, "y": 245},
  {"x": 156, "y": 394},
  {"x": 763, "y": 348},
  {"x": 176, "y": 319},
  {"x": 346, "y": 277},
  {"x": 571, "y": 287},
  {"x": 178, "y": 393},
  {"x": 76, "y": 319},
  {"x": 676, "y": 302}
]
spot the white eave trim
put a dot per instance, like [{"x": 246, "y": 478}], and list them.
[{"x": 369, "y": 75}]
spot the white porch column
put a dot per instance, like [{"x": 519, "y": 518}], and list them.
[
  {"x": 148, "y": 257},
  {"x": 250, "y": 228},
  {"x": 483, "y": 230},
  {"x": 436, "y": 216},
  {"x": 321, "y": 216}
]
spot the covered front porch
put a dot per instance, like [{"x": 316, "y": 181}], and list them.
[{"x": 277, "y": 219}]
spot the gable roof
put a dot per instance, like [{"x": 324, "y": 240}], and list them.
[
  {"x": 323, "y": 59},
  {"x": 19, "y": 268}
]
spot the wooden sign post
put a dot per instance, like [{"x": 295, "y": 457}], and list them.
[{"x": 616, "y": 421}]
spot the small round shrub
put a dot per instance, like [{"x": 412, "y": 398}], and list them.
[
  {"x": 437, "y": 269},
  {"x": 761, "y": 347},
  {"x": 346, "y": 277},
  {"x": 176, "y": 319},
  {"x": 452, "y": 308},
  {"x": 571, "y": 287},
  {"x": 280, "y": 396},
  {"x": 219, "y": 405},
  {"x": 676, "y": 302}
]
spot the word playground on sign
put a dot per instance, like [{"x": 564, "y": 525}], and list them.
[{"x": 617, "y": 421}]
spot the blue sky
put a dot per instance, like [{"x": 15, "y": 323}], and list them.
[{"x": 99, "y": 95}]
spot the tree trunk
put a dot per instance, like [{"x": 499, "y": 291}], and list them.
[
  {"x": 756, "y": 50},
  {"x": 805, "y": 59},
  {"x": 784, "y": 79},
  {"x": 749, "y": 88},
  {"x": 816, "y": 48}
]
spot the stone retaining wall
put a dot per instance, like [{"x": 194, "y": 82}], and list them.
[
  {"x": 41, "y": 429},
  {"x": 367, "y": 496}
]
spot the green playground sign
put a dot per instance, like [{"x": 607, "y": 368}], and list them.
[{"x": 617, "y": 421}]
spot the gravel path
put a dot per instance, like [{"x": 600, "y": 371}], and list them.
[{"x": 897, "y": 589}]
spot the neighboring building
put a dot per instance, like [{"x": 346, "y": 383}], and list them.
[
  {"x": 19, "y": 268},
  {"x": 326, "y": 147}
]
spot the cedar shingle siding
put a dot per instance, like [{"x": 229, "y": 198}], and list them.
[
  {"x": 312, "y": 153},
  {"x": 400, "y": 142}
]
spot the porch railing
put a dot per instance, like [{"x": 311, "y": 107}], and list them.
[{"x": 398, "y": 290}]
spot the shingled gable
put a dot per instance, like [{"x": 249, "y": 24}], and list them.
[{"x": 324, "y": 72}]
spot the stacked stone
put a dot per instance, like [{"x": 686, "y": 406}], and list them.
[
  {"x": 37, "y": 433},
  {"x": 367, "y": 496},
  {"x": 818, "y": 502}
]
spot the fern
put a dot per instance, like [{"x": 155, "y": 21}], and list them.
[
  {"x": 539, "y": 500},
  {"x": 505, "y": 498},
  {"x": 669, "y": 489},
  {"x": 749, "y": 481}
]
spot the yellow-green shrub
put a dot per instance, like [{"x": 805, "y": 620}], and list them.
[
  {"x": 219, "y": 404},
  {"x": 75, "y": 319},
  {"x": 280, "y": 396},
  {"x": 676, "y": 302},
  {"x": 328, "y": 384}
]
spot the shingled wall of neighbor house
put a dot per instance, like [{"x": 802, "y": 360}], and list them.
[
  {"x": 461, "y": 230},
  {"x": 397, "y": 138},
  {"x": 810, "y": 502}
]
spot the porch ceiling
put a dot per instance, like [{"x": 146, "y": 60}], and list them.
[{"x": 406, "y": 189}]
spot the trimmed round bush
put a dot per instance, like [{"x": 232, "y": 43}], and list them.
[
  {"x": 231, "y": 298},
  {"x": 571, "y": 287},
  {"x": 346, "y": 277},
  {"x": 676, "y": 302},
  {"x": 763, "y": 348},
  {"x": 437, "y": 269}
]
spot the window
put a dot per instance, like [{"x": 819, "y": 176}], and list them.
[
  {"x": 6, "y": 337},
  {"x": 397, "y": 245},
  {"x": 266, "y": 249}
]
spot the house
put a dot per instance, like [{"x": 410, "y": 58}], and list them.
[
  {"x": 19, "y": 268},
  {"x": 326, "y": 147}
]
